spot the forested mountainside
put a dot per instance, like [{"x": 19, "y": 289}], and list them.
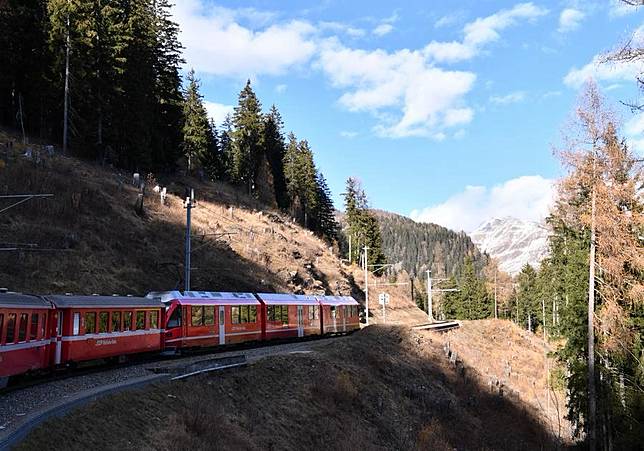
[{"x": 413, "y": 245}]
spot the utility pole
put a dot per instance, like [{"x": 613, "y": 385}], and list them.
[
  {"x": 429, "y": 296},
  {"x": 66, "y": 102},
  {"x": 543, "y": 308},
  {"x": 366, "y": 283},
  {"x": 350, "y": 258},
  {"x": 188, "y": 205}
]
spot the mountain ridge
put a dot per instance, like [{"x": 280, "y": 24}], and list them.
[{"x": 513, "y": 242}]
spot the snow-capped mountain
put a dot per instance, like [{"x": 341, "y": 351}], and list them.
[{"x": 513, "y": 242}]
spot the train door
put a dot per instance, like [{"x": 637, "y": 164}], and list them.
[
  {"x": 334, "y": 315},
  {"x": 344, "y": 318},
  {"x": 222, "y": 325},
  {"x": 59, "y": 337},
  {"x": 300, "y": 321}
]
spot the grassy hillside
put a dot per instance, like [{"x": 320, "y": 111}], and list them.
[
  {"x": 381, "y": 388},
  {"x": 99, "y": 243}
]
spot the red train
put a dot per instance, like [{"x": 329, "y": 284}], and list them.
[{"x": 45, "y": 332}]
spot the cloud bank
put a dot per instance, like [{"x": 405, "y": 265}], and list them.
[{"x": 528, "y": 197}]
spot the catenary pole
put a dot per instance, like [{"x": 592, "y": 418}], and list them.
[
  {"x": 188, "y": 206},
  {"x": 430, "y": 309},
  {"x": 366, "y": 283},
  {"x": 66, "y": 102}
]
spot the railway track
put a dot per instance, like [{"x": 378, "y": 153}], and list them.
[
  {"x": 26, "y": 406},
  {"x": 438, "y": 326}
]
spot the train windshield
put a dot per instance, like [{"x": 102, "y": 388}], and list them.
[{"x": 175, "y": 318}]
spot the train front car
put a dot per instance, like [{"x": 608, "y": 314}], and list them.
[
  {"x": 24, "y": 334},
  {"x": 208, "y": 318},
  {"x": 101, "y": 327},
  {"x": 340, "y": 314},
  {"x": 289, "y": 315}
]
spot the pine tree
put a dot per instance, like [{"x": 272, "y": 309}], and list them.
[
  {"x": 197, "y": 132},
  {"x": 247, "y": 137},
  {"x": 211, "y": 160},
  {"x": 325, "y": 216},
  {"x": 362, "y": 225},
  {"x": 226, "y": 148},
  {"x": 527, "y": 300},
  {"x": 275, "y": 149}
]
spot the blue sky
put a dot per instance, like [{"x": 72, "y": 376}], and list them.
[{"x": 446, "y": 115}]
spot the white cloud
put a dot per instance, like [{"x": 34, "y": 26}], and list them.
[
  {"x": 513, "y": 97},
  {"x": 480, "y": 32},
  {"x": 551, "y": 94},
  {"x": 429, "y": 98},
  {"x": 348, "y": 134},
  {"x": 383, "y": 29},
  {"x": 570, "y": 19},
  {"x": 281, "y": 88},
  {"x": 338, "y": 27},
  {"x": 527, "y": 197},
  {"x": 634, "y": 131},
  {"x": 601, "y": 71},
  {"x": 449, "y": 19},
  {"x": 217, "y": 43},
  {"x": 218, "y": 111}
]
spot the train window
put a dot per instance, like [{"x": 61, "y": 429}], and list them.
[
  {"x": 333, "y": 313},
  {"x": 234, "y": 314},
  {"x": 175, "y": 318},
  {"x": 196, "y": 315},
  {"x": 209, "y": 315},
  {"x": 140, "y": 320},
  {"x": 270, "y": 313},
  {"x": 103, "y": 320},
  {"x": 33, "y": 333},
  {"x": 127, "y": 321},
  {"x": 252, "y": 313},
  {"x": 43, "y": 320},
  {"x": 116, "y": 321},
  {"x": 1, "y": 325},
  {"x": 76, "y": 330},
  {"x": 244, "y": 314},
  {"x": 11, "y": 328},
  {"x": 90, "y": 322},
  {"x": 22, "y": 328},
  {"x": 154, "y": 320},
  {"x": 284, "y": 314}
]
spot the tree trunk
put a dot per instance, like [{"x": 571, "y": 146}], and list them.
[{"x": 592, "y": 401}]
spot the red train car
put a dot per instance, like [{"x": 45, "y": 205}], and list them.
[
  {"x": 289, "y": 315},
  {"x": 99, "y": 327},
  {"x": 24, "y": 334},
  {"x": 207, "y": 318},
  {"x": 339, "y": 314}
]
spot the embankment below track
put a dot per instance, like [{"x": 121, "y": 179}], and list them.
[{"x": 381, "y": 388}]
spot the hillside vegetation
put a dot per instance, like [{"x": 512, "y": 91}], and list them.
[
  {"x": 381, "y": 388},
  {"x": 90, "y": 238},
  {"x": 416, "y": 246}
]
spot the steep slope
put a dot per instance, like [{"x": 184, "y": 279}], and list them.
[
  {"x": 89, "y": 238},
  {"x": 513, "y": 242},
  {"x": 378, "y": 389},
  {"x": 414, "y": 245}
]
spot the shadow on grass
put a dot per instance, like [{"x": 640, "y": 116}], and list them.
[{"x": 376, "y": 389}]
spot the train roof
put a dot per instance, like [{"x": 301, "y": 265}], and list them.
[
  {"x": 67, "y": 301},
  {"x": 287, "y": 299},
  {"x": 13, "y": 300},
  {"x": 205, "y": 297},
  {"x": 337, "y": 300}
]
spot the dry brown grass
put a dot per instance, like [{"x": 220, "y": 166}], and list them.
[
  {"x": 381, "y": 388},
  {"x": 507, "y": 358}
]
